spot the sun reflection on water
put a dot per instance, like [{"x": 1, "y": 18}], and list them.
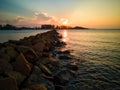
[{"x": 65, "y": 34}]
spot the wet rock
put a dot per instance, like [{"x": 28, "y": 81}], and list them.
[
  {"x": 38, "y": 87},
  {"x": 45, "y": 69},
  {"x": 73, "y": 66},
  {"x": 47, "y": 59},
  {"x": 62, "y": 77},
  {"x": 8, "y": 83},
  {"x": 38, "y": 79},
  {"x": 73, "y": 73},
  {"x": 64, "y": 52},
  {"x": 22, "y": 65},
  {"x": 64, "y": 57},
  {"x": 54, "y": 64},
  {"x": 18, "y": 76}
]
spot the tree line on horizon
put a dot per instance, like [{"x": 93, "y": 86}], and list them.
[{"x": 43, "y": 26}]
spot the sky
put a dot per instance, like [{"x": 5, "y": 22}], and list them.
[{"x": 87, "y": 13}]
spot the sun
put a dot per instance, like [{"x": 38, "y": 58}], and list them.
[{"x": 65, "y": 22}]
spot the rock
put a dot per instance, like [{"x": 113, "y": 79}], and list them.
[
  {"x": 59, "y": 87},
  {"x": 62, "y": 77},
  {"x": 5, "y": 57},
  {"x": 50, "y": 78},
  {"x": 22, "y": 65},
  {"x": 5, "y": 66},
  {"x": 38, "y": 79},
  {"x": 36, "y": 70},
  {"x": 1, "y": 46},
  {"x": 38, "y": 87},
  {"x": 25, "y": 42},
  {"x": 73, "y": 73},
  {"x": 45, "y": 69},
  {"x": 29, "y": 53},
  {"x": 65, "y": 57},
  {"x": 18, "y": 76},
  {"x": 73, "y": 66},
  {"x": 64, "y": 52},
  {"x": 33, "y": 79},
  {"x": 8, "y": 83},
  {"x": 10, "y": 51},
  {"x": 54, "y": 64},
  {"x": 38, "y": 47}
]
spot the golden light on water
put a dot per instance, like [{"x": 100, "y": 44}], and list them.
[{"x": 65, "y": 35}]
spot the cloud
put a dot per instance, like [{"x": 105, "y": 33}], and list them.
[
  {"x": 15, "y": 21},
  {"x": 44, "y": 18},
  {"x": 19, "y": 19},
  {"x": 37, "y": 19}
]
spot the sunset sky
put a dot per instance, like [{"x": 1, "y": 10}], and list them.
[{"x": 87, "y": 13}]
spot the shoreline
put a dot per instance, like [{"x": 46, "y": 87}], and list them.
[{"x": 31, "y": 63}]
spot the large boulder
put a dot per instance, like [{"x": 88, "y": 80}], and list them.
[
  {"x": 17, "y": 75},
  {"x": 22, "y": 65},
  {"x": 5, "y": 66},
  {"x": 29, "y": 53},
  {"x": 8, "y": 83},
  {"x": 38, "y": 47},
  {"x": 10, "y": 51}
]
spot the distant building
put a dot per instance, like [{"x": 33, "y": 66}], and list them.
[{"x": 47, "y": 26}]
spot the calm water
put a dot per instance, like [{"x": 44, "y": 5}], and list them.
[
  {"x": 6, "y": 35},
  {"x": 99, "y": 54},
  {"x": 96, "y": 51}
]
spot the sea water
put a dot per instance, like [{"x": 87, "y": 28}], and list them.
[{"x": 96, "y": 51}]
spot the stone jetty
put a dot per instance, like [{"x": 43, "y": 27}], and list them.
[{"x": 31, "y": 64}]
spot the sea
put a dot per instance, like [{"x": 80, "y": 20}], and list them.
[{"x": 96, "y": 51}]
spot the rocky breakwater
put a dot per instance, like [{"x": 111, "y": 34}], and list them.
[{"x": 31, "y": 64}]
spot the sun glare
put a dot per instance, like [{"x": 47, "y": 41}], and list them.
[{"x": 65, "y": 22}]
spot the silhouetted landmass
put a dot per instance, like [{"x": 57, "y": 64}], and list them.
[
  {"x": 43, "y": 27},
  {"x": 7, "y": 27},
  {"x": 78, "y": 27},
  {"x": 47, "y": 26}
]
